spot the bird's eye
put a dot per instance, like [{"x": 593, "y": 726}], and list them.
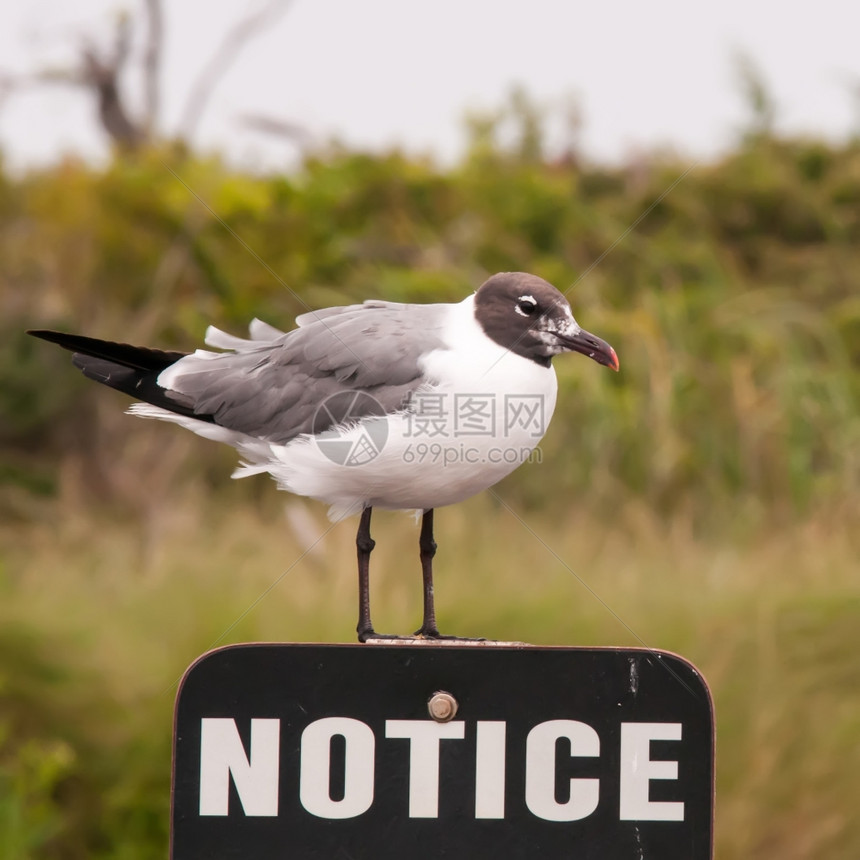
[{"x": 526, "y": 305}]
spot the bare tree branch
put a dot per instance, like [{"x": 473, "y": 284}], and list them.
[
  {"x": 122, "y": 41},
  {"x": 7, "y": 87},
  {"x": 152, "y": 64},
  {"x": 97, "y": 73},
  {"x": 223, "y": 58},
  {"x": 281, "y": 128},
  {"x": 10, "y": 84},
  {"x": 102, "y": 75},
  {"x": 14, "y": 84}
]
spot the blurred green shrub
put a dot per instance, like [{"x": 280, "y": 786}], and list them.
[
  {"x": 81, "y": 772},
  {"x": 733, "y": 304}
]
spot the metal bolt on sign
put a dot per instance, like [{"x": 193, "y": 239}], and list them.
[{"x": 442, "y": 706}]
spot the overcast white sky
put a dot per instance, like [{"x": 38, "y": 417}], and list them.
[{"x": 383, "y": 72}]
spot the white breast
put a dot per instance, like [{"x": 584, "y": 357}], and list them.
[{"x": 480, "y": 417}]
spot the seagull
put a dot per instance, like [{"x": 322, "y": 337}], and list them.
[{"x": 375, "y": 405}]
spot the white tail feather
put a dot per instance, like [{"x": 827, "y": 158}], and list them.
[
  {"x": 263, "y": 331},
  {"x": 260, "y": 332},
  {"x": 221, "y": 340},
  {"x": 245, "y": 470},
  {"x": 257, "y": 452}
]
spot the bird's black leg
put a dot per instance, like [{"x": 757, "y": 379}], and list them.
[
  {"x": 365, "y": 544},
  {"x": 427, "y": 546}
]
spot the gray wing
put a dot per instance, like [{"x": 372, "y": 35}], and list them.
[{"x": 272, "y": 385}]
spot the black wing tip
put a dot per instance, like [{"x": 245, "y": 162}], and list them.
[
  {"x": 130, "y": 369},
  {"x": 61, "y": 338},
  {"x": 126, "y": 354}
]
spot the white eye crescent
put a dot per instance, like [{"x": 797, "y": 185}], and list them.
[{"x": 526, "y": 306}]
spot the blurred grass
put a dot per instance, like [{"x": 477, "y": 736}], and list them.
[{"x": 709, "y": 493}]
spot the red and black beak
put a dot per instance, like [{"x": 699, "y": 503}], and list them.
[{"x": 592, "y": 346}]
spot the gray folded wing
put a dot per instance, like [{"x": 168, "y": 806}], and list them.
[{"x": 272, "y": 386}]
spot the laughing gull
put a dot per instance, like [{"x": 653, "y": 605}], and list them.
[{"x": 377, "y": 405}]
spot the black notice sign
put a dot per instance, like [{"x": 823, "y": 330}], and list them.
[{"x": 329, "y": 751}]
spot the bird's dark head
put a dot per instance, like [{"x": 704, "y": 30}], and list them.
[{"x": 531, "y": 318}]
